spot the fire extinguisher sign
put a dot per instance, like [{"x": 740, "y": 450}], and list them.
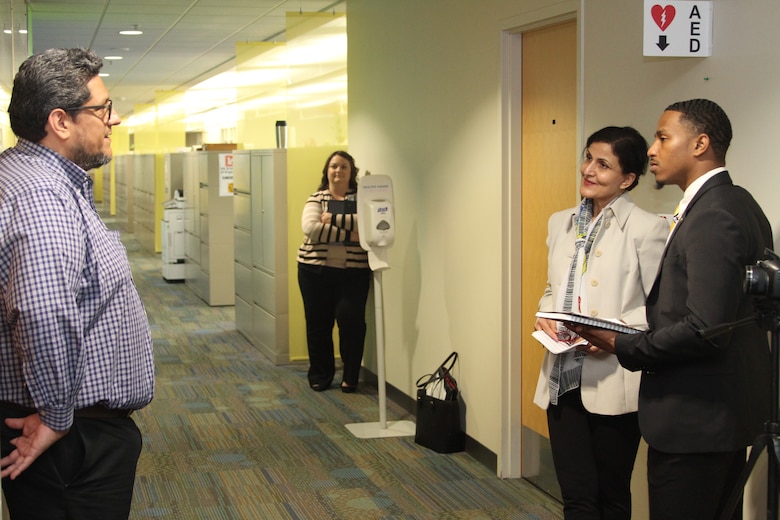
[{"x": 678, "y": 28}]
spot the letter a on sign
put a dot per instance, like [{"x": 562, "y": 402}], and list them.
[{"x": 677, "y": 28}]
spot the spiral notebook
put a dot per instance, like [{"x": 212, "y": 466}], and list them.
[{"x": 590, "y": 321}]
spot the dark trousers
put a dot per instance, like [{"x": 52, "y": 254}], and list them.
[
  {"x": 86, "y": 475},
  {"x": 593, "y": 457},
  {"x": 331, "y": 296},
  {"x": 694, "y": 486}
]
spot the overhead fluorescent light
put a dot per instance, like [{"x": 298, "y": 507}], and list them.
[
  {"x": 113, "y": 58},
  {"x": 133, "y": 32}
]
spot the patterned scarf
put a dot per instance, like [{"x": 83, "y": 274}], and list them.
[{"x": 567, "y": 369}]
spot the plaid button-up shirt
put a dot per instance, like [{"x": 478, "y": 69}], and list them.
[{"x": 73, "y": 330}]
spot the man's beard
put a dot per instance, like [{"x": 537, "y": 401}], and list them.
[
  {"x": 659, "y": 185},
  {"x": 89, "y": 161}
]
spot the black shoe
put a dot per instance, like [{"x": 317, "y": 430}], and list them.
[
  {"x": 348, "y": 389},
  {"x": 319, "y": 387}
]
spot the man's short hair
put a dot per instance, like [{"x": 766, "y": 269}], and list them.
[
  {"x": 56, "y": 78},
  {"x": 706, "y": 117}
]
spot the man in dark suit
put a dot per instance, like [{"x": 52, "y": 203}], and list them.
[{"x": 702, "y": 400}]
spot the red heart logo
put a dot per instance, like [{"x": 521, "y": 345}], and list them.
[{"x": 663, "y": 16}]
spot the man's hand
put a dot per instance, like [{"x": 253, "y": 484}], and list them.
[
  {"x": 36, "y": 438},
  {"x": 601, "y": 338}
]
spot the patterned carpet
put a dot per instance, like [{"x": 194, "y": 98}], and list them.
[{"x": 231, "y": 436}]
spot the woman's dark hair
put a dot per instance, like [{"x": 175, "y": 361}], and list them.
[
  {"x": 706, "y": 117},
  {"x": 56, "y": 78},
  {"x": 353, "y": 170},
  {"x": 629, "y": 147}
]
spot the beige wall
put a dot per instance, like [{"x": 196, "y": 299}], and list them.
[
  {"x": 424, "y": 108},
  {"x": 741, "y": 75}
]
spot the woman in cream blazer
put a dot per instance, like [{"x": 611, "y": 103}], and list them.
[{"x": 594, "y": 433}]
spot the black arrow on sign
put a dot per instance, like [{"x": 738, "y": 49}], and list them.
[{"x": 662, "y": 42}]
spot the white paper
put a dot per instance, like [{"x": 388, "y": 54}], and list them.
[
  {"x": 226, "y": 175},
  {"x": 554, "y": 346}
]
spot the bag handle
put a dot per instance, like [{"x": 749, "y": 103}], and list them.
[
  {"x": 451, "y": 359},
  {"x": 437, "y": 374}
]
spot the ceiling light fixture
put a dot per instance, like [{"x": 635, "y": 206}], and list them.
[
  {"x": 113, "y": 58},
  {"x": 133, "y": 32}
]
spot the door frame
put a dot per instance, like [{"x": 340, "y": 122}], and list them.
[{"x": 509, "y": 463}]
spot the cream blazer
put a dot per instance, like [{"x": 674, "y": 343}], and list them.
[{"x": 622, "y": 266}]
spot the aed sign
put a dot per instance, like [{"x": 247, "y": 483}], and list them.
[{"x": 678, "y": 28}]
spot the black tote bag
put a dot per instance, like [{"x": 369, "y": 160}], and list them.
[{"x": 438, "y": 410}]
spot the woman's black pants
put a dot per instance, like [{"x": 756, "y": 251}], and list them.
[
  {"x": 593, "y": 457},
  {"x": 332, "y": 295}
]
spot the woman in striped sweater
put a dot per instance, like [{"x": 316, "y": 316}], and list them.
[{"x": 333, "y": 275}]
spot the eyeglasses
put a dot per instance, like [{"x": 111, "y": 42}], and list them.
[{"x": 107, "y": 107}]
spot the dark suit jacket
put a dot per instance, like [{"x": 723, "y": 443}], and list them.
[{"x": 704, "y": 395}]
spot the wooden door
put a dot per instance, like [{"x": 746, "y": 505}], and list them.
[{"x": 549, "y": 176}]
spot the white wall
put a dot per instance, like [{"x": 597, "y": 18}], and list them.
[
  {"x": 424, "y": 108},
  {"x": 741, "y": 75}
]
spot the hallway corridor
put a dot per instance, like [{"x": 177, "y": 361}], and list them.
[{"x": 231, "y": 436}]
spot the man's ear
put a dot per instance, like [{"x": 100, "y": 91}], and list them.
[
  {"x": 59, "y": 123},
  {"x": 701, "y": 144}
]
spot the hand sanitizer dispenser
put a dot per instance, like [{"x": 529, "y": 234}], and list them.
[
  {"x": 376, "y": 228},
  {"x": 376, "y": 218},
  {"x": 380, "y": 231}
]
